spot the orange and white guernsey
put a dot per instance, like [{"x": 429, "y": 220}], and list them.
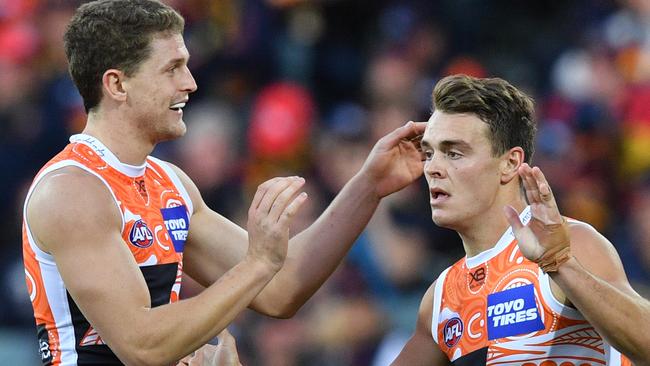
[
  {"x": 497, "y": 309},
  {"x": 156, "y": 212}
]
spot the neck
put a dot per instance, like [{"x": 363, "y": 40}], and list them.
[
  {"x": 119, "y": 136},
  {"x": 482, "y": 233}
]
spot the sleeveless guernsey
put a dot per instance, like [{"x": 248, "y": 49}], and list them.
[
  {"x": 497, "y": 309},
  {"x": 155, "y": 210}
]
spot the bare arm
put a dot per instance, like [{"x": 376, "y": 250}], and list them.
[
  {"x": 421, "y": 349},
  {"x": 315, "y": 253},
  {"x": 73, "y": 216},
  {"x": 592, "y": 278}
]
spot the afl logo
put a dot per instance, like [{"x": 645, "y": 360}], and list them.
[
  {"x": 453, "y": 331},
  {"x": 140, "y": 235}
]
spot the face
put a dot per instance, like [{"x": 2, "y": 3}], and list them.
[
  {"x": 462, "y": 173},
  {"x": 160, "y": 88}
]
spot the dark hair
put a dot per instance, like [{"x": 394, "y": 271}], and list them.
[
  {"x": 107, "y": 34},
  {"x": 507, "y": 111}
]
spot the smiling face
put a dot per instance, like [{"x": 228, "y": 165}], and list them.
[
  {"x": 463, "y": 175},
  {"x": 159, "y": 89}
]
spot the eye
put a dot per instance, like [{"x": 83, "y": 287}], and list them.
[
  {"x": 428, "y": 155},
  {"x": 453, "y": 154}
]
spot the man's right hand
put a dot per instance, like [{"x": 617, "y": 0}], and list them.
[{"x": 274, "y": 205}]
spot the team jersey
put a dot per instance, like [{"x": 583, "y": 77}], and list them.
[
  {"x": 497, "y": 309},
  {"x": 155, "y": 210}
]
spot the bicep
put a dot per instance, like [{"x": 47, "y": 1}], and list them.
[
  {"x": 598, "y": 256},
  {"x": 214, "y": 245}
]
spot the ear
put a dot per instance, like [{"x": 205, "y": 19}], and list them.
[
  {"x": 112, "y": 85},
  {"x": 510, "y": 163}
]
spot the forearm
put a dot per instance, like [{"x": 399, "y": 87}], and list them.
[
  {"x": 169, "y": 332},
  {"x": 619, "y": 317},
  {"x": 316, "y": 252}
]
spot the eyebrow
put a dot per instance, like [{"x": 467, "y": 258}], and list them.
[
  {"x": 176, "y": 61},
  {"x": 448, "y": 144}
]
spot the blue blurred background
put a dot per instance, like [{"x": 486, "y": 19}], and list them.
[{"x": 314, "y": 83}]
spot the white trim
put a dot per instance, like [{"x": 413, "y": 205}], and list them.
[
  {"x": 505, "y": 240},
  {"x": 612, "y": 355},
  {"x": 57, "y": 298},
  {"x": 437, "y": 301},
  {"x": 553, "y": 303},
  {"x": 177, "y": 182},
  {"x": 107, "y": 155},
  {"x": 41, "y": 255}
]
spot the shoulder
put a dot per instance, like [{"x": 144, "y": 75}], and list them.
[
  {"x": 595, "y": 252},
  {"x": 66, "y": 201}
]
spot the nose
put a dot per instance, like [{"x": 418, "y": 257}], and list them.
[
  {"x": 189, "y": 84},
  {"x": 434, "y": 167}
]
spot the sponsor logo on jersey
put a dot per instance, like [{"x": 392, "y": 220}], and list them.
[
  {"x": 453, "y": 330},
  {"x": 513, "y": 312},
  {"x": 177, "y": 224},
  {"x": 44, "y": 344},
  {"x": 140, "y": 235},
  {"x": 476, "y": 278}
]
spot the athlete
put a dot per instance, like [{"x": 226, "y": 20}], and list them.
[
  {"x": 108, "y": 230},
  {"x": 499, "y": 305}
]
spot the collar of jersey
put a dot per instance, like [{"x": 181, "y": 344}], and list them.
[
  {"x": 503, "y": 242},
  {"x": 102, "y": 151}
]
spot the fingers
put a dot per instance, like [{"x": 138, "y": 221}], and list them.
[
  {"x": 225, "y": 337},
  {"x": 536, "y": 186},
  {"x": 513, "y": 218},
  {"x": 410, "y": 131},
  {"x": 274, "y": 195},
  {"x": 285, "y": 198},
  {"x": 291, "y": 209},
  {"x": 544, "y": 188}
]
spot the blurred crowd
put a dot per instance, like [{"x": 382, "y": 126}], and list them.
[{"x": 305, "y": 87}]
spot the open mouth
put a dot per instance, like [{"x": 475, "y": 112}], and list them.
[
  {"x": 177, "y": 106},
  {"x": 437, "y": 195}
]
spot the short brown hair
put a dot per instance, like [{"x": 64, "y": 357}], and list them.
[
  {"x": 507, "y": 111},
  {"x": 108, "y": 34}
]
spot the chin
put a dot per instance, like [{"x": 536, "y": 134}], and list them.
[{"x": 444, "y": 220}]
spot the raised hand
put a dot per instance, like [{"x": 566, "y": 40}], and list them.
[
  {"x": 545, "y": 239},
  {"x": 395, "y": 161},
  {"x": 274, "y": 205}
]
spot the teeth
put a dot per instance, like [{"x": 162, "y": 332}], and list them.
[{"x": 178, "y": 105}]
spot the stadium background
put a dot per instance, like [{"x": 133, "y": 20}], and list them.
[{"x": 306, "y": 87}]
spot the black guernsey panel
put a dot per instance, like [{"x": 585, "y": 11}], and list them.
[
  {"x": 160, "y": 279},
  {"x": 476, "y": 358}
]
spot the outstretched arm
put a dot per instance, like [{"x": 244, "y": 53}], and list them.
[
  {"x": 314, "y": 254},
  {"x": 586, "y": 267}
]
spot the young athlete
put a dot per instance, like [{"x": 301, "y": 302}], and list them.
[{"x": 499, "y": 305}]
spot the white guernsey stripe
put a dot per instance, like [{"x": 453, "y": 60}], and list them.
[
  {"x": 177, "y": 182},
  {"x": 58, "y": 300},
  {"x": 437, "y": 301}
]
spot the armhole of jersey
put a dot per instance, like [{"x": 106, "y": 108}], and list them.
[
  {"x": 552, "y": 302},
  {"x": 437, "y": 301},
  {"x": 177, "y": 182},
  {"x": 40, "y": 254}
]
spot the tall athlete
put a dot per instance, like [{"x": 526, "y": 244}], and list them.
[
  {"x": 108, "y": 230},
  {"x": 497, "y": 305}
]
